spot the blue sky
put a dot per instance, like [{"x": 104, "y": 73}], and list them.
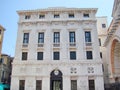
[{"x": 9, "y": 17}]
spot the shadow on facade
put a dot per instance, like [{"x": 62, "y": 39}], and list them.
[{"x": 113, "y": 86}]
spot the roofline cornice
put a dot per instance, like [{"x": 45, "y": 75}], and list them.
[{"x": 57, "y": 9}]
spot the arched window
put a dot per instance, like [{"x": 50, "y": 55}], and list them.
[{"x": 56, "y": 80}]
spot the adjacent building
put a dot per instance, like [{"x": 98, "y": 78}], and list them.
[
  {"x": 57, "y": 49},
  {"x": 2, "y": 29},
  {"x": 112, "y": 44},
  {"x": 5, "y": 68},
  {"x": 102, "y": 27}
]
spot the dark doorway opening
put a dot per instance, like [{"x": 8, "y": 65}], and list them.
[{"x": 56, "y": 80}]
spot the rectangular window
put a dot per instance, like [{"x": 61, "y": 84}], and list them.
[
  {"x": 56, "y": 16},
  {"x": 102, "y": 67},
  {"x": 41, "y": 16},
  {"x": 73, "y": 84},
  {"x": 41, "y": 37},
  {"x": 0, "y": 31},
  {"x": 26, "y": 38},
  {"x": 91, "y": 85},
  {"x": 99, "y": 42},
  {"x": 56, "y": 55},
  {"x": 21, "y": 84},
  {"x": 1, "y": 60},
  {"x": 101, "y": 54},
  {"x": 38, "y": 84},
  {"x": 24, "y": 55},
  {"x": 56, "y": 37},
  {"x": 72, "y": 37},
  {"x": 3, "y": 76},
  {"x": 27, "y": 16},
  {"x": 103, "y": 25},
  {"x": 39, "y": 55},
  {"x": 89, "y": 54},
  {"x": 71, "y": 15},
  {"x": 87, "y": 36},
  {"x": 72, "y": 55},
  {"x": 85, "y": 15}
]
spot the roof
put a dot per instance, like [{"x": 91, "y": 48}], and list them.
[
  {"x": 52, "y": 9},
  {"x": 4, "y": 55}
]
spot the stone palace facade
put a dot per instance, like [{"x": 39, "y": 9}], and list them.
[{"x": 57, "y": 49}]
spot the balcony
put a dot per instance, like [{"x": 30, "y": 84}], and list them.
[
  {"x": 56, "y": 45},
  {"x": 40, "y": 44},
  {"x": 72, "y": 45},
  {"x": 88, "y": 45},
  {"x": 25, "y": 45}
]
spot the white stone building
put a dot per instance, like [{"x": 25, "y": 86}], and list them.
[
  {"x": 102, "y": 28},
  {"x": 57, "y": 49},
  {"x": 112, "y": 44}
]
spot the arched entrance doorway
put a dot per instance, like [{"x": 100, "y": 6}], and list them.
[
  {"x": 115, "y": 58},
  {"x": 56, "y": 80}
]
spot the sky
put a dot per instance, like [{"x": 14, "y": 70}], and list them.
[{"x": 9, "y": 16}]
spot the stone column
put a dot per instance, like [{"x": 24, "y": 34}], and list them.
[
  {"x": 14, "y": 83},
  {"x": 66, "y": 83},
  {"x": 30, "y": 83},
  {"x": 99, "y": 83},
  {"x": 46, "y": 83},
  {"x": 82, "y": 83}
]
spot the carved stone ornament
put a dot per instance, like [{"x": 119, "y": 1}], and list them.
[
  {"x": 56, "y": 72},
  {"x": 90, "y": 70},
  {"x": 73, "y": 70}
]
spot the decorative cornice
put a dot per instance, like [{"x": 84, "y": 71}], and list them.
[
  {"x": 57, "y": 9},
  {"x": 23, "y": 76},
  {"x": 48, "y": 76},
  {"x": 64, "y": 21},
  {"x": 69, "y": 63},
  {"x": 112, "y": 29}
]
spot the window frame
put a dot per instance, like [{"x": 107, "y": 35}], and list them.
[
  {"x": 73, "y": 55},
  {"x": 41, "y": 16},
  {"x": 41, "y": 37},
  {"x": 38, "y": 84},
  {"x": 56, "y": 15},
  {"x": 24, "y": 56},
  {"x": 71, "y": 15},
  {"x": 88, "y": 36},
  {"x": 91, "y": 83},
  {"x": 0, "y": 31},
  {"x": 72, "y": 38},
  {"x": 40, "y": 55},
  {"x": 99, "y": 41},
  {"x": 103, "y": 25},
  {"x": 27, "y": 16},
  {"x": 22, "y": 87},
  {"x": 56, "y": 37},
  {"x": 73, "y": 84},
  {"x": 86, "y": 15},
  {"x": 89, "y": 55},
  {"x": 56, "y": 55},
  {"x": 101, "y": 56},
  {"x": 25, "y": 38}
]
